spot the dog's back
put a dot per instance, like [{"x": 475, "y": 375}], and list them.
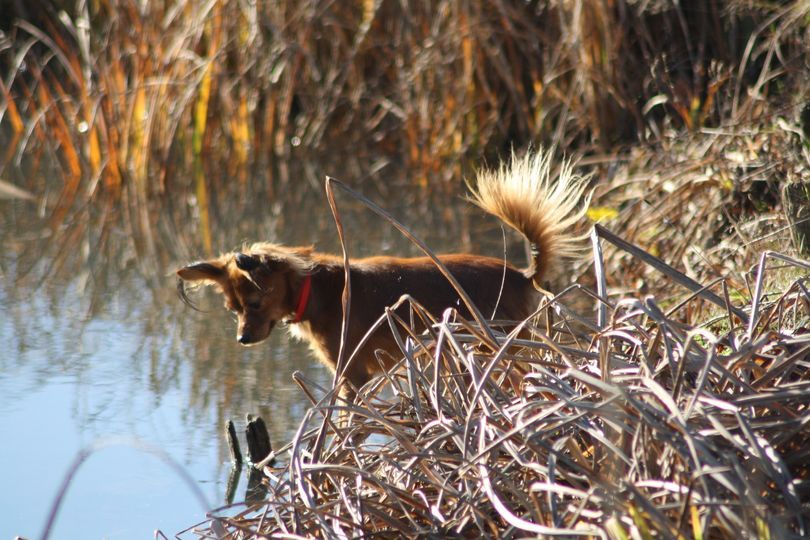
[{"x": 498, "y": 290}]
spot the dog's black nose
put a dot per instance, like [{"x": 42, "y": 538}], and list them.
[{"x": 244, "y": 339}]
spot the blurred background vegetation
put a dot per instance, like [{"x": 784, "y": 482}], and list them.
[{"x": 141, "y": 98}]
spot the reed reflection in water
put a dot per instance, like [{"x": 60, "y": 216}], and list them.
[{"x": 97, "y": 344}]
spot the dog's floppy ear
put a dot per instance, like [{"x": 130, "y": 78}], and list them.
[
  {"x": 207, "y": 272},
  {"x": 201, "y": 271}
]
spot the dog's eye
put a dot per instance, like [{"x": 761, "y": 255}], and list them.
[{"x": 254, "y": 305}]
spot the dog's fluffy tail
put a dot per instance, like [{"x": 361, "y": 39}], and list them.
[{"x": 523, "y": 195}]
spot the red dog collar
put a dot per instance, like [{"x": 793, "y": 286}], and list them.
[{"x": 303, "y": 298}]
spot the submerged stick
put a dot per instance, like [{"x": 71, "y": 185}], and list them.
[
  {"x": 233, "y": 443},
  {"x": 258, "y": 440}
]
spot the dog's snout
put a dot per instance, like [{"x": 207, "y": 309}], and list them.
[{"x": 244, "y": 338}]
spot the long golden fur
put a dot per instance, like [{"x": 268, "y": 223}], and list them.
[{"x": 267, "y": 283}]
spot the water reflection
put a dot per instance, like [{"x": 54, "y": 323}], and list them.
[{"x": 97, "y": 342}]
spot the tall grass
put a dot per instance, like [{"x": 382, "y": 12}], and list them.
[{"x": 128, "y": 95}]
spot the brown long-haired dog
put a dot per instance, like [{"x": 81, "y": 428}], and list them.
[{"x": 267, "y": 283}]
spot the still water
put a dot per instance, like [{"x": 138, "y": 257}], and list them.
[{"x": 99, "y": 354}]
